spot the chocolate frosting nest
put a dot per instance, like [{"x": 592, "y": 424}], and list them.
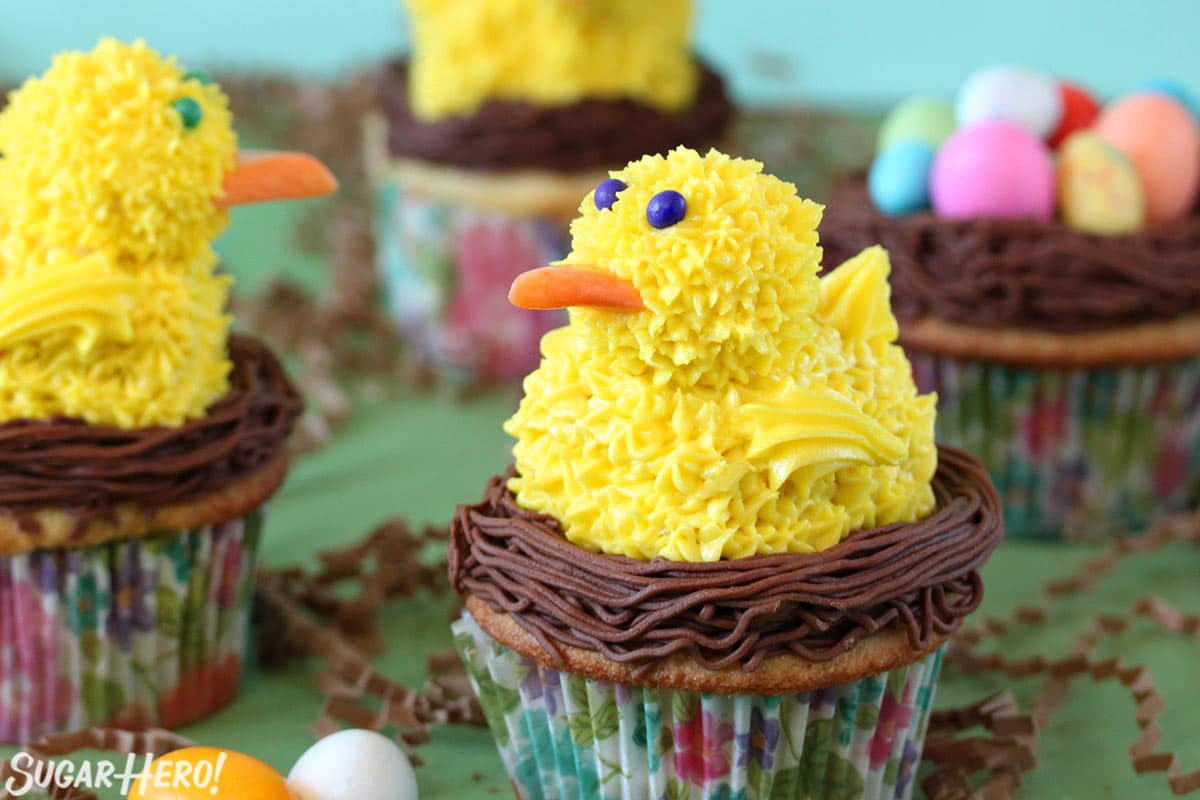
[
  {"x": 922, "y": 576},
  {"x": 998, "y": 273},
  {"x": 87, "y": 470},
  {"x": 507, "y": 135}
]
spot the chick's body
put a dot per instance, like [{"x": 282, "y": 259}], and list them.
[
  {"x": 749, "y": 408},
  {"x": 550, "y": 52},
  {"x": 110, "y": 306}
]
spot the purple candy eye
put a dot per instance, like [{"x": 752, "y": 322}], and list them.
[
  {"x": 606, "y": 193},
  {"x": 666, "y": 208}
]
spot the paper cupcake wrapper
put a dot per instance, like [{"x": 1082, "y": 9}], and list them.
[
  {"x": 446, "y": 271},
  {"x": 564, "y": 737},
  {"x": 137, "y": 633},
  {"x": 1075, "y": 453}
]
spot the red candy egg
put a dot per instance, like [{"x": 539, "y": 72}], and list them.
[
  {"x": 1079, "y": 111},
  {"x": 1160, "y": 136}
]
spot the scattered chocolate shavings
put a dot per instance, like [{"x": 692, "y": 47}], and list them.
[
  {"x": 1013, "y": 747},
  {"x": 301, "y": 614},
  {"x": 1004, "y": 756},
  {"x": 154, "y": 741}
]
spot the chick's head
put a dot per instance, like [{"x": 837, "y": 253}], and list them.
[
  {"x": 696, "y": 269},
  {"x": 118, "y": 150}
]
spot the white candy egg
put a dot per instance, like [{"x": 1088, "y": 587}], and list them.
[
  {"x": 353, "y": 765},
  {"x": 1016, "y": 94}
]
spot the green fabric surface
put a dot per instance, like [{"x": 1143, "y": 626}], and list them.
[{"x": 418, "y": 455}]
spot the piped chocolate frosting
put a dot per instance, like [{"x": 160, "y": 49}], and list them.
[
  {"x": 88, "y": 470},
  {"x": 921, "y": 576},
  {"x": 507, "y": 135},
  {"x": 996, "y": 273}
]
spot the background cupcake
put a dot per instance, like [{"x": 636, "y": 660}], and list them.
[
  {"x": 488, "y": 134},
  {"x": 139, "y": 441},
  {"x": 729, "y": 554},
  {"x": 1052, "y": 303}
]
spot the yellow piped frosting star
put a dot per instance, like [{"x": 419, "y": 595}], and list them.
[
  {"x": 712, "y": 397},
  {"x": 549, "y": 52},
  {"x": 116, "y": 169}
]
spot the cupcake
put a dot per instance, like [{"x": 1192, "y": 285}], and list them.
[
  {"x": 729, "y": 553},
  {"x": 485, "y": 138},
  {"x": 1044, "y": 251},
  {"x": 139, "y": 439}
]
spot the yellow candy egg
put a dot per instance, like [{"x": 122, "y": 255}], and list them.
[
  {"x": 1098, "y": 187},
  {"x": 209, "y": 773}
]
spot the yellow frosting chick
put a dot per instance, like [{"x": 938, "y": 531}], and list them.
[
  {"x": 712, "y": 397},
  {"x": 550, "y": 52},
  {"x": 117, "y": 167}
]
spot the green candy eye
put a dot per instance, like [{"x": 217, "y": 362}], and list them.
[
  {"x": 189, "y": 111},
  {"x": 198, "y": 75}
]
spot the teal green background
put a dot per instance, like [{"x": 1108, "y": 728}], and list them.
[{"x": 861, "y": 52}]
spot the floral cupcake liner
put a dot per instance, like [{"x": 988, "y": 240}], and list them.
[
  {"x": 564, "y": 737},
  {"x": 147, "y": 631},
  {"x": 1075, "y": 453},
  {"x": 446, "y": 271}
]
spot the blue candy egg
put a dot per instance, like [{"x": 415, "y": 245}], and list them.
[
  {"x": 1172, "y": 88},
  {"x": 899, "y": 177}
]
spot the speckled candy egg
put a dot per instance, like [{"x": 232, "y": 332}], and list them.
[
  {"x": 1017, "y": 94},
  {"x": 1159, "y": 135},
  {"x": 899, "y": 177},
  {"x": 353, "y": 765},
  {"x": 1098, "y": 188},
  {"x": 926, "y": 119},
  {"x": 993, "y": 169}
]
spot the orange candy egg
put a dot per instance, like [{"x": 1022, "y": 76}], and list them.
[
  {"x": 1162, "y": 140},
  {"x": 209, "y": 773}
]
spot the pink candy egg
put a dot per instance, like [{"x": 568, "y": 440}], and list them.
[
  {"x": 993, "y": 169},
  {"x": 1159, "y": 135}
]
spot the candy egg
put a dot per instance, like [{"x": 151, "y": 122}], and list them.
[
  {"x": 1171, "y": 88},
  {"x": 209, "y": 773},
  {"x": 353, "y": 765},
  {"x": 925, "y": 118},
  {"x": 993, "y": 169},
  {"x": 1079, "y": 111},
  {"x": 1098, "y": 188},
  {"x": 1162, "y": 140},
  {"x": 899, "y": 177},
  {"x": 1017, "y": 94}
]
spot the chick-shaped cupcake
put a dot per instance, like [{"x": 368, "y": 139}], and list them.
[
  {"x": 729, "y": 554},
  {"x": 138, "y": 439},
  {"x": 551, "y": 52},
  {"x": 711, "y": 397},
  {"x": 118, "y": 168}
]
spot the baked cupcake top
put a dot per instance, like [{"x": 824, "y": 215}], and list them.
[
  {"x": 1028, "y": 205},
  {"x": 562, "y": 85},
  {"x": 121, "y": 393},
  {"x": 722, "y": 458}
]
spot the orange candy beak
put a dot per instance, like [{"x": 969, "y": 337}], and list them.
[
  {"x": 262, "y": 175},
  {"x": 573, "y": 285}
]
